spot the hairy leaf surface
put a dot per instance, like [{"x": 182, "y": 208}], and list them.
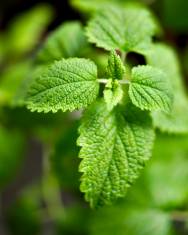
[
  {"x": 115, "y": 69},
  {"x": 149, "y": 89},
  {"x": 115, "y": 148},
  {"x": 66, "y": 85},
  {"x": 113, "y": 93}
]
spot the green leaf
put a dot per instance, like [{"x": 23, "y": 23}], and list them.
[
  {"x": 176, "y": 121},
  {"x": 127, "y": 29},
  {"x": 67, "y": 84},
  {"x": 115, "y": 69},
  {"x": 26, "y": 30},
  {"x": 113, "y": 93},
  {"x": 149, "y": 89},
  {"x": 58, "y": 46},
  {"x": 115, "y": 148}
]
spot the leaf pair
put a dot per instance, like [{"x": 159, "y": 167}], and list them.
[
  {"x": 149, "y": 88},
  {"x": 72, "y": 84}
]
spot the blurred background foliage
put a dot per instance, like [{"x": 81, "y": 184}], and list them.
[{"x": 39, "y": 180}]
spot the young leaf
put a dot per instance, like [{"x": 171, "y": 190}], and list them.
[
  {"x": 113, "y": 93},
  {"x": 149, "y": 89},
  {"x": 115, "y": 148},
  {"x": 58, "y": 46},
  {"x": 115, "y": 69},
  {"x": 67, "y": 84},
  {"x": 127, "y": 29}
]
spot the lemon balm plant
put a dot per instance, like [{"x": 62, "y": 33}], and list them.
[
  {"x": 88, "y": 104},
  {"x": 117, "y": 128}
]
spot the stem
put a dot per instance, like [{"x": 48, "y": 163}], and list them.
[
  {"x": 123, "y": 56},
  {"x": 51, "y": 190},
  {"x": 122, "y": 82}
]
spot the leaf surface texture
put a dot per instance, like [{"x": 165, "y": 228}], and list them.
[{"x": 66, "y": 85}]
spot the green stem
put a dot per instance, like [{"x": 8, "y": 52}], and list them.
[
  {"x": 123, "y": 56},
  {"x": 122, "y": 82}
]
